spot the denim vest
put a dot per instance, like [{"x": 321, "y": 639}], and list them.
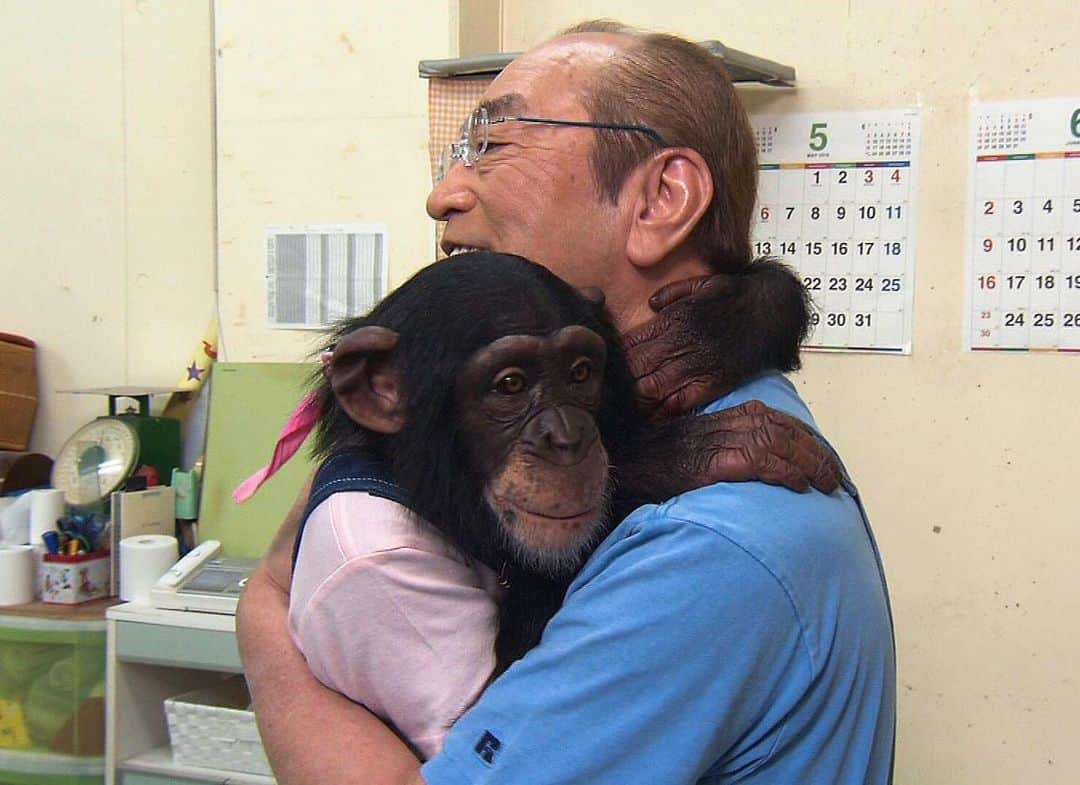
[{"x": 350, "y": 470}]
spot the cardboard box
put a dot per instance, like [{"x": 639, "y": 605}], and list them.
[
  {"x": 69, "y": 580},
  {"x": 18, "y": 391}
]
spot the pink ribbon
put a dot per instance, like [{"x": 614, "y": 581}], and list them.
[{"x": 296, "y": 429}]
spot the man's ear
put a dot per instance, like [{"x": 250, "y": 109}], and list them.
[
  {"x": 366, "y": 380},
  {"x": 672, "y": 189}
]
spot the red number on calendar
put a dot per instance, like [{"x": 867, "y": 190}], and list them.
[
  {"x": 868, "y": 178},
  {"x": 764, "y": 213},
  {"x": 987, "y": 281},
  {"x": 895, "y": 177},
  {"x": 988, "y": 208}
]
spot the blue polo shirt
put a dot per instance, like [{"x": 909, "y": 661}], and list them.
[{"x": 737, "y": 633}]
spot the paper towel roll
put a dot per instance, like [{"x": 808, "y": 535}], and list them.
[
  {"x": 16, "y": 575},
  {"x": 143, "y": 560},
  {"x": 45, "y": 507}
]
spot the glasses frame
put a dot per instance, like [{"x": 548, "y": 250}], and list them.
[{"x": 474, "y": 135}]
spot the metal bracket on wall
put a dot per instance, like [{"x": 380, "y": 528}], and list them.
[{"x": 742, "y": 67}]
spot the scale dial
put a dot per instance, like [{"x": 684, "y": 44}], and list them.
[{"x": 96, "y": 460}]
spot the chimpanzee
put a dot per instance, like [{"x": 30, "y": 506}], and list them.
[{"x": 493, "y": 401}]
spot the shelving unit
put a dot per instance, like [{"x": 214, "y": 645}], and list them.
[
  {"x": 71, "y": 638},
  {"x": 155, "y": 654}
]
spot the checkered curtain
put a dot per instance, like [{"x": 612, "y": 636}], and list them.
[{"x": 449, "y": 102}]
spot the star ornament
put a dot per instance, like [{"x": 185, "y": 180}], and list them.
[{"x": 194, "y": 372}]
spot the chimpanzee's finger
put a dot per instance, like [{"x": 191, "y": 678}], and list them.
[
  {"x": 646, "y": 335},
  {"x": 675, "y": 385},
  {"x": 816, "y": 462},
  {"x": 691, "y": 395},
  {"x": 811, "y": 455},
  {"x": 649, "y": 391},
  {"x": 674, "y": 292},
  {"x": 742, "y": 462},
  {"x": 709, "y": 286},
  {"x": 664, "y": 356},
  {"x": 765, "y": 431}
]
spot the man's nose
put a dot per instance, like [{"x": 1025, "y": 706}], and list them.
[{"x": 452, "y": 194}]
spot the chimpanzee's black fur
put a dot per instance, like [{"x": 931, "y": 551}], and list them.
[{"x": 444, "y": 314}]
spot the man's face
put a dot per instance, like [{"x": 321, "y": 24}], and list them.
[{"x": 532, "y": 193}]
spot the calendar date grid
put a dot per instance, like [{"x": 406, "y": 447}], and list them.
[
  {"x": 845, "y": 227},
  {"x": 1025, "y": 256}
]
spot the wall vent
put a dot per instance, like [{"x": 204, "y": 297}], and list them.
[{"x": 316, "y": 275}]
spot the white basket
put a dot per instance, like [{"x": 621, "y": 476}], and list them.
[{"x": 211, "y": 728}]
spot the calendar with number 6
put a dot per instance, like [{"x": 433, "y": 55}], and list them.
[{"x": 1024, "y": 227}]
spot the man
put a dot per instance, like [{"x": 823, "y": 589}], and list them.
[{"x": 740, "y": 632}]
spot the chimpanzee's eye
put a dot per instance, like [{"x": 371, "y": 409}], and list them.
[
  {"x": 581, "y": 370},
  {"x": 511, "y": 383}
]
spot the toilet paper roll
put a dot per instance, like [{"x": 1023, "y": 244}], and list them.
[
  {"x": 45, "y": 507},
  {"x": 143, "y": 560},
  {"x": 15, "y": 521},
  {"x": 16, "y": 575}
]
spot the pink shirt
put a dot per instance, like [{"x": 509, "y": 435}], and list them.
[{"x": 388, "y": 612}]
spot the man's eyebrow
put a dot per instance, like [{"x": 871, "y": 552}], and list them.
[{"x": 510, "y": 103}]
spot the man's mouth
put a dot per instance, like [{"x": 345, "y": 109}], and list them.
[{"x": 454, "y": 250}]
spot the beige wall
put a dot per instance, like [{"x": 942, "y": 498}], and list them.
[
  {"x": 106, "y": 212},
  {"x": 982, "y": 446},
  {"x": 321, "y": 120}
]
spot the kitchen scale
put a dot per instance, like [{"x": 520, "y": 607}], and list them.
[{"x": 101, "y": 455}]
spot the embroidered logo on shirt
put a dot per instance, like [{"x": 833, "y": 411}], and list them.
[{"x": 487, "y": 747}]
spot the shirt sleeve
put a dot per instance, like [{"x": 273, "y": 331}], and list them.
[
  {"x": 405, "y": 630},
  {"x": 656, "y": 667}
]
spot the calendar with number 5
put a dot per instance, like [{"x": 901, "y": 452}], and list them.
[{"x": 836, "y": 199}]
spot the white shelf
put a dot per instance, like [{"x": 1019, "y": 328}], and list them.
[
  {"x": 159, "y": 761},
  {"x": 148, "y": 614},
  {"x": 154, "y": 654}
]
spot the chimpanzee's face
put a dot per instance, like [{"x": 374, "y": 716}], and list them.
[{"x": 528, "y": 404}]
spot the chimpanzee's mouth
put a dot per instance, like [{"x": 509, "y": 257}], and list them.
[{"x": 573, "y": 519}]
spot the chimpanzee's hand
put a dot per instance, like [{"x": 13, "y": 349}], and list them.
[
  {"x": 713, "y": 333},
  {"x": 675, "y": 367},
  {"x": 747, "y": 442}
]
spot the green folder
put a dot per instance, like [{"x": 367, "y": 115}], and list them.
[{"x": 249, "y": 404}]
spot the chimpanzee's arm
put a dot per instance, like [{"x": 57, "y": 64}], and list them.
[
  {"x": 746, "y": 442},
  {"x": 711, "y": 334}
]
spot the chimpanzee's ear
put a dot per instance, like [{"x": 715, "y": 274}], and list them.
[{"x": 366, "y": 380}]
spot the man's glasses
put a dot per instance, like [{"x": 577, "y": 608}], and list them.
[{"x": 474, "y": 136}]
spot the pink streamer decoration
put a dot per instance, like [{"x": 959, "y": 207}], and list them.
[{"x": 296, "y": 429}]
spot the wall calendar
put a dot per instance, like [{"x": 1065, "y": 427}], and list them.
[
  {"x": 1024, "y": 226},
  {"x": 836, "y": 199}
]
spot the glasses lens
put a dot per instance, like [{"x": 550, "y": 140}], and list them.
[
  {"x": 475, "y": 136},
  {"x": 446, "y": 160}
]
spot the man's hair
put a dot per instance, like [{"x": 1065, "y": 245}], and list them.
[{"x": 684, "y": 93}]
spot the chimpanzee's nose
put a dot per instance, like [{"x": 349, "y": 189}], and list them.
[{"x": 561, "y": 434}]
